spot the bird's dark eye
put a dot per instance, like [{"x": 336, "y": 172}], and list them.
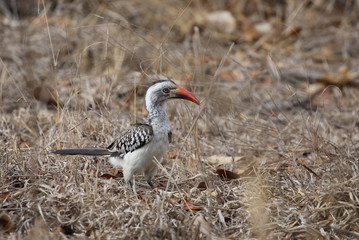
[{"x": 166, "y": 90}]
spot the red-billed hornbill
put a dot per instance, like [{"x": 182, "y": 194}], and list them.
[{"x": 138, "y": 147}]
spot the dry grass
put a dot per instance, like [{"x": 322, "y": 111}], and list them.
[{"x": 295, "y": 151}]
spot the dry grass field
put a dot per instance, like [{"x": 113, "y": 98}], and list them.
[{"x": 271, "y": 153}]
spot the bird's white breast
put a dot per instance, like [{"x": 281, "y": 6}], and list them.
[{"x": 142, "y": 159}]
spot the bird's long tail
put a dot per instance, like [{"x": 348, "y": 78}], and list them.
[{"x": 84, "y": 151}]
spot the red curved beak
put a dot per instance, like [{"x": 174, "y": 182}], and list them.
[{"x": 180, "y": 92}]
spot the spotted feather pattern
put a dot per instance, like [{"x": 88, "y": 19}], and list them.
[{"x": 135, "y": 137}]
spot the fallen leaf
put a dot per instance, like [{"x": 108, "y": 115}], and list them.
[
  {"x": 107, "y": 176},
  {"x": 114, "y": 174},
  {"x": 6, "y": 224},
  {"x": 4, "y": 195},
  {"x": 221, "y": 160},
  {"x": 163, "y": 182},
  {"x": 173, "y": 154},
  {"x": 239, "y": 171},
  {"x": 46, "y": 94},
  {"x": 339, "y": 79},
  {"x": 202, "y": 186},
  {"x": 226, "y": 174},
  {"x": 189, "y": 205},
  {"x": 186, "y": 204}
]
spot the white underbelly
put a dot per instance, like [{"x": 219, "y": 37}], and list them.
[
  {"x": 145, "y": 157},
  {"x": 143, "y": 160}
]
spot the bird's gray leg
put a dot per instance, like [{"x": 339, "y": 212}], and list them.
[
  {"x": 149, "y": 173},
  {"x": 150, "y": 183},
  {"x": 130, "y": 183}
]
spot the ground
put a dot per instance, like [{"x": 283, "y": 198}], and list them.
[{"x": 271, "y": 153}]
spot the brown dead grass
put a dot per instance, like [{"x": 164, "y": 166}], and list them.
[{"x": 295, "y": 151}]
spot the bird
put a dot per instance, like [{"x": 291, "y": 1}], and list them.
[{"x": 138, "y": 148}]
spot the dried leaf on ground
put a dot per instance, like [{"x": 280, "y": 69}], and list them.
[
  {"x": 4, "y": 195},
  {"x": 112, "y": 174},
  {"x": 189, "y": 205},
  {"x": 341, "y": 78},
  {"x": 202, "y": 186},
  {"x": 186, "y": 204},
  {"x": 226, "y": 174},
  {"x": 46, "y": 95},
  {"x": 6, "y": 224},
  {"x": 221, "y": 159}
]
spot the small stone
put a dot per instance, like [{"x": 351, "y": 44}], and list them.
[{"x": 221, "y": 21}]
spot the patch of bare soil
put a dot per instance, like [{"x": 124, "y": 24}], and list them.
[{"x": 272, "y": 153}]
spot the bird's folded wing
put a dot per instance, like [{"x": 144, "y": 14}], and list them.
[{"x": 135, "y": 137}]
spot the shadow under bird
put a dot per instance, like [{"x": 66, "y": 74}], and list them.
[{"x": 137, "y": 148}]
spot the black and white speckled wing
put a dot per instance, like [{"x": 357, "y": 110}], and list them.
[{"x": 135, "y": 137}]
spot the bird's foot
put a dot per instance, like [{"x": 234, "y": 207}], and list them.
[{"x": 151, "y": 184}]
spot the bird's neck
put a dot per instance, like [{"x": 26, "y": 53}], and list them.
[{"x": 157, "y": 117}]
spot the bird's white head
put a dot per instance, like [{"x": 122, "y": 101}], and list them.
[{"x": 160, "y": 91}]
